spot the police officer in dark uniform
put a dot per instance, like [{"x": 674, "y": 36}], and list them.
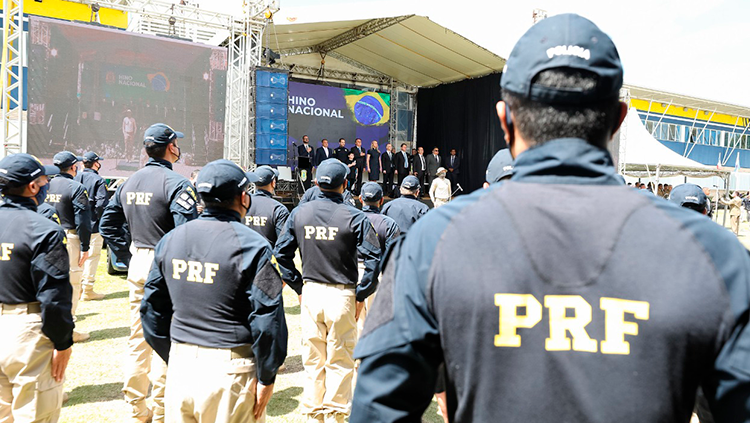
[
  {"x": 385, "y": 227},
  {"x": 98, "y": 200},
  {"x": 49, "y": 211},
  {"x": 71, "y": 200},
  {"x": 212, "y": 306},
  {"x": 266, "y": 215},
  {"x": 314, "y": 193},
  {"x": 576, "y": 298},
  {"x": 341, "y": 152},
  {"x": 329, "y": 235},
  {"x": 149, "y": 204},
  {"x": 36, "y": 324},
  {"x": 407, "y": 208}
]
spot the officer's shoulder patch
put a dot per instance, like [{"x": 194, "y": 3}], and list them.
[
  {"x": 268, "y": 279},
  {"x": 186, "y": 199},
  {"x": 57, "y": 256}
]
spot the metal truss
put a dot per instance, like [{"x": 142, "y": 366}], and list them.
[
  {"x": 244, "y": 34},
  {"x": 357, "y": 33},
  {"x": 14, "y": 49}
]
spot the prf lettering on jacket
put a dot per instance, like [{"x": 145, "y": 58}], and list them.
[
  {"x": 53, "y": 198},
  {"x": 6, "y": 249},
  {"x": 321, "y": 233},
  {"x": 256, "y": 220},
  {"x": 196, "y": 271},
  {"x": 560, "y": 324},
  {"x": 138, "y": 198}
]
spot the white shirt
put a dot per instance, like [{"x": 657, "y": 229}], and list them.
[
  {"x": 441, "y": 189},
  {"x": 128, "y": 125}
]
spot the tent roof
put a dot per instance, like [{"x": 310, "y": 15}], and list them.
[
  {"x": 411, "y": 49},
  {"x": 687, "y": 101},
  {"x": 643, "y": 153}
]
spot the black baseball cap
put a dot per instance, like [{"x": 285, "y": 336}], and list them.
[
  {"x": 161, "y": 134},
  {"x": 221, "y": 180},
  {"x": 688, "y": 194},
  {"x": 410, "y": 182},
  {"x": 372, "y": 191},
  {"x": 265, "y": 175},
  {"x": 563, "y": 41},
  {"x": 331, "y": 173},
  {"x": 90, "y": 156},
  {"x": 65, "y": 159},
  {"x": 500, "y": 167},
  {"x": 22, "y": 168}
]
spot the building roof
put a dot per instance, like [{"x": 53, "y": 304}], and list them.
[
  {"x": 410, "y": 49},
  {"x": 687, "y": 101}
]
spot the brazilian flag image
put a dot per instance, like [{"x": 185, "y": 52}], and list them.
[{"x": 368, "y": 108}]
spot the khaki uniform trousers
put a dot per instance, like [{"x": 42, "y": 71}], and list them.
[
  {"x": 28, "y": 393},
  {"x": 329, "y": 333},
  {"x": 139, "y": 360},
  {"x": 91, "y": 263},
  {"x": 76, "y": 271},
  {"x": 207, "y": 385},
  {"x": 368, "y": 302}
]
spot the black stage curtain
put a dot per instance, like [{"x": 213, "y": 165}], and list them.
[{"x": 462, "y": 115}]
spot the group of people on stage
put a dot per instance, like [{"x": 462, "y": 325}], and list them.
[{"x": 389, "y": 167}]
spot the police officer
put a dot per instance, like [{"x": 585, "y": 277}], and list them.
[
  {"x": 212, "y": 306},
  {"x": 98, "y": 200},
  {"x": 314, "y": 193},
  {"x": 595, "y": 286},
  {"x": 149, "y": 204},
  {"x": 49, "y": 211},
  {"x": 690, "y": 196},
  {"x": 71, "y": 200},
  {"x": 329, "y": 235},
  {"x": 407, "y": 208},
  {"x": 385, "y": 227},
  {"x": 36, "y": 324},
  {"x": 266, "y": 215}
]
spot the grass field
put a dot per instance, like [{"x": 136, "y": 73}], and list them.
[{"x": 95, "y": 374}]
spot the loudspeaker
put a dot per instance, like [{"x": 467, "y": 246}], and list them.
[{"x": 271, "y": 118}]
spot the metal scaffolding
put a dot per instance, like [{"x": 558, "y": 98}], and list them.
[
  {"x": 14, "y": 51},
  {"x": 244, "y": 35}
]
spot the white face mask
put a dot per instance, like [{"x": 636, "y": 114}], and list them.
[{"x": 442, "y": 176}]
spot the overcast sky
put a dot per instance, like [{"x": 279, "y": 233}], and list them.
[{"x": 692, "y": 47}]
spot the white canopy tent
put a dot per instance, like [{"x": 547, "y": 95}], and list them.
[{"x": 643, "y": 155}]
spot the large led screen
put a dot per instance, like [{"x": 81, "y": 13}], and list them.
[
  {"x": 98, "y": 89},
  {"x": 321, "y": 111}
]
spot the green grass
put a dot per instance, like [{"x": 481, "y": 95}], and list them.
[{"x": 95, "y": 374}]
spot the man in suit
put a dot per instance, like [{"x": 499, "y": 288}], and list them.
[
  {"x": 341, "y": 152},
  {"x": 359, "y": 156},
  {"x": 306, "y": 156},
  {"x": 402, "y": 164},
  {"x": 433, "y": 164},
  {"x": 387, "y": 159},
  {"x": 419, "y": 166},
  {"x": 322, "y": 153},
  {"x": 453, "y": 164}
]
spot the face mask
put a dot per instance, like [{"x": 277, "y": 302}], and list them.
[
  {"x": 442, "y": 176},
  {"x": 41, "y": 195},
  {"x": 179, "y": 154},
  {"x": 249, "y": 203}
]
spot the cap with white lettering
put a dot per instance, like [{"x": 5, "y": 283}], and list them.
[
  {"x": 331, "y": 173},
  {"x": 688, "y": 194},
  {"x": 563, "y": 41},
  {"x": 22, "y": 168},
  {"x": 221, "y": 180},
  {"x": 500, "y": 167}
]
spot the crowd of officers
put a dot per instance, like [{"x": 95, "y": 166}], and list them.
[{"x": 208, "y": 331}]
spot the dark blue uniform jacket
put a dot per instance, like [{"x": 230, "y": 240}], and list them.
[
  {"x": 149, "y": 204},
  {"x": 329, "y": 235},
  {"x": 98, "y": 199},
  {"x": 405, "y": 210},
  {"x": 71, "y": 200},
  {"x": 266, "y": 216},
  {"x": 386, "y": 228},
  {"x": 215, "y": 283},
  {"x": 314, "y": 193},
  {"x": 34, "y": 267},
  {"x": 576, "y": 299}
]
